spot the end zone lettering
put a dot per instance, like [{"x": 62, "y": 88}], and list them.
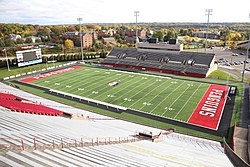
[
  {"x": 209, "y": 111},
  {"x": 212, "y": 103},
  {"x": 50, "y": 74}
]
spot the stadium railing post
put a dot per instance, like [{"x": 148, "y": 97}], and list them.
[
  {"x": 92, "y": 142},
  {"x": 62, "y": 142},
  {"x": 53, "y": 142},
  {"x": 34, "y": 143},
  {"x": 119, "y": 140},
  {"x": 75, "y": 143},
  {"x": 97, "y": 141},
  {"x": 22, "y": 144},
  {"x": 109, "y": 141},
  {"x": 82, "y": 142}
]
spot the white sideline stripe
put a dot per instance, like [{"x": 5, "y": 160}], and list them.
[
  {"x": 10, "y": 162},
  {"x": 142, "y": 74},
  {"x": 73, "y": 161},
  {"x": 88, "y": 99},
  {"x": 54, "y": 158},
  {"x": 40, "y": 159},
  {"x": 21, "y": 158}
]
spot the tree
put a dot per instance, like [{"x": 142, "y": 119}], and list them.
[
  {"x": 159, "y": 34},
  {"x": 19, "y": 41},
  {"x": 28, "y": 40},
  {"x": 68, "y": 43}
]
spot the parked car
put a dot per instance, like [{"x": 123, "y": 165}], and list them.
[
  {"x": 247, "y": 69},
  {"x": 235, "y": 54}
]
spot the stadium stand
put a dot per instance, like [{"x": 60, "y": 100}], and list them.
[
  {"x": 18, "y": 104},
  {"x": 45, "y": 131},
  {"x": 181, "y": 63}
]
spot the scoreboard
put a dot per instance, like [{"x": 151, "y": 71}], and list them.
[{"x": 28, "y": 57}]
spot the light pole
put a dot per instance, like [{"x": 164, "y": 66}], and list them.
[
  {"x": 136, "y": 15},
  {"x": 7, "y": 61},
  {"x": 208, "y": 13},
  {"x": 80, "y": 34},
  {"x": 244, "y": 66}
]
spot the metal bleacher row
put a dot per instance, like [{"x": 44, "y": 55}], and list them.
[
  {"x": 174, "y": 149},
  {"x": 19, "y": 104},
  {"x": 162, "y": 61}
]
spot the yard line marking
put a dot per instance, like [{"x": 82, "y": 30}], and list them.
[
  {"x": 157, "y": 95},
  {"x": 129, "y": 90},
  {"x": 148, "y": 93},
  {"x": 140, "y": 92},
  {"x": 188, "y": 100},
  {"x": 176, "y": 100},
  {"x": 133, "y": 89},
  {"x": 167, "y": 97},
  {"x": 122, "y": 77},
  {"x": 97, "y": 79}
]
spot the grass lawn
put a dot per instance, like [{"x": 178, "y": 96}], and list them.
[{"x": 19, "y": 70}]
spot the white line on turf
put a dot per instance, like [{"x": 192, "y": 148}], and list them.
[
  {"x": 187, "y": 101},
  {"x": 166, "y": 97},
  {"x": 176, "y": 99}
]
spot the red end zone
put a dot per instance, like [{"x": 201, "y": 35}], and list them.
[
  {"x": 209, "y": 111},
  {"x": 50, "y": 74}
]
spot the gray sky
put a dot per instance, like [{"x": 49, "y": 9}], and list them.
[{"x": 115, "y": 11}]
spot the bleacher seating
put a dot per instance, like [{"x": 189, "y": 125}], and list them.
[
  {"x": 174, "y": 149},
  {"x": 19, "y": 104},
  {"x": 161, "y": 61}
]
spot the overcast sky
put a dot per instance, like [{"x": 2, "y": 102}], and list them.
[{"x": 116, "y": 11}]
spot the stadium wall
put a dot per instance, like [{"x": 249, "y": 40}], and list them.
[
  {"x": 234, "y": 158},
  {"x": 157, "y": 70}
]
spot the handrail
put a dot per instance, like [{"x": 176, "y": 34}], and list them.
[
  {"x": 36, "y": 139},
  {"x": 15, "y": 139}
]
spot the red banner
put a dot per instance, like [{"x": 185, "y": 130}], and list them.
[
  {"x": 50, "y": 74},
  {"x": 210, "y": 109}
]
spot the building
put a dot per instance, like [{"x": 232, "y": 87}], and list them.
[
  {"x": 15, "y": 36},
  {"x": 33, "y": 38},
  {"x": 210, "y": 35},
  {"x": 109, "y": 40},
  {"x": 87, "y": 40}
]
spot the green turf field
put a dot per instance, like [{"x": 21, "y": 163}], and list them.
[{"x": 165, "y": 97}]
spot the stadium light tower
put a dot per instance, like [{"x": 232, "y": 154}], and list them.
[
  {"x": 208, "y": 13},
  {"x": 136, "y": 15},
  {"x": 244, "y": 66},
  {"x": 80, "y": 34},
  {"x": 7, "y": 61}
]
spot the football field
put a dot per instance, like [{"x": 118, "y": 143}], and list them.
[
  {"x": 163, "y": 96},
  {"x": 196, "y": 103}
]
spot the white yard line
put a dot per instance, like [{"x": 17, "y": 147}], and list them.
[
  {"x": 133, "y": 83},
  {"x": 157, "y": 95},
  {"x": 187, "y": 101},
  {"x": 135, "y": 88},
  {"x": 176, "y": 100},
  {"x": 146, "y": 95},
  {"x": 167, "y": 96}
]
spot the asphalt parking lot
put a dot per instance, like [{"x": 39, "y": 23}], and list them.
[{"x": 230, "y": 61}]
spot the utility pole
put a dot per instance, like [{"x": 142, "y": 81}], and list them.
[
  {"x": 208, "y": 13},
  {"x": 80, "y": 34},
  {"x": 244, "y": 66},
  {"x": 136, "y": 15},
  {"x": 7, "y": 61}
]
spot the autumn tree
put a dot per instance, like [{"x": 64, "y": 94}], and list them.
[{"x": 68, "y": 43}]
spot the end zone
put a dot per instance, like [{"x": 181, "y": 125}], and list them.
[
  {"x": 210, "y": 109},
  {"x": 50, "y": 74}
]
